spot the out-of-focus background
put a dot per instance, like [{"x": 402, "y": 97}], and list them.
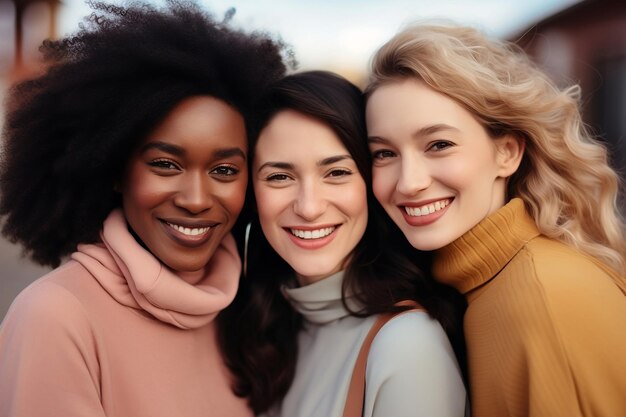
[{"x": 576, "y": 41}]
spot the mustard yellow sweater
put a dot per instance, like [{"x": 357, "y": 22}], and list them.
[{"x": 545, "y": 324}]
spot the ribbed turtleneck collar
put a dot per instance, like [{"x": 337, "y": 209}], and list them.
[
  {"x": 135, "y": 278},
  {"x": 481, "y": 253},
  {"x": 320, "y": 302}
]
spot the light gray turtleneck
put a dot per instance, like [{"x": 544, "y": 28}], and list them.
[{"x": 411, "y": 368}]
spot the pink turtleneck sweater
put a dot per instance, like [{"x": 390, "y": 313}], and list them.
[{"x": 114, "y": 332}]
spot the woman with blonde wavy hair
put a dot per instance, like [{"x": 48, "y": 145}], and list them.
[{"x": 480, "y": 158}]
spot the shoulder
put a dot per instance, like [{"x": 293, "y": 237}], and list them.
[
  {"x": 412, "y": 331},
  {"x": 48, "y": 322},
  {"x": 549, "y": 286},
  {"x": 48, "y": 344},
  {"x": 546, "y": 267},
  {"x": 563, "y": 271},
  {"x": 411, "y": 366},
  {"x": 409, "y": 341},
  {"x": 552, "y": 257},
  {"x": 51, "y": 301}
]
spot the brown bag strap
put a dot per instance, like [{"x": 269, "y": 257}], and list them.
[{"x": 356, "y": 390}]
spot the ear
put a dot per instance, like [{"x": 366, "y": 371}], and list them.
[{"x": 509, "y": 153}]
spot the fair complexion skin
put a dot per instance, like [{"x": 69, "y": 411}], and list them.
[
  {"x": 310, "y": 195},
  {"x": 436, "y": 171},
  {"x": 185, "y": 185}
]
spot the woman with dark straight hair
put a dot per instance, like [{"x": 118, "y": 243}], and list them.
[{"x": 323, "y": 265}]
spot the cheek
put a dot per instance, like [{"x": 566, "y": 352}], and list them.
[
  {"x": 352, "y": 201},
  {"x": 232, "y": 195},
  {"x": 361, "y": 213},
  {"x": 383, "y": 183},
  {"x": 269, "y": 204},
  {"x": 141, "y": 190},
  {"x": 355, "y": 198},
  {"x": 464, "y": 173}
]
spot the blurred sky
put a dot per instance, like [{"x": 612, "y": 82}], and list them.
[{"x": 342, "y": 34}]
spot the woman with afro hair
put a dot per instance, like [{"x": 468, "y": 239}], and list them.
[{"x": 129, "y": 155}]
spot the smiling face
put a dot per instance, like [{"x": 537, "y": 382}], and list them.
[
  {"x": 185, "y": 185},
  {"x": 436, "y": 171},
  {"x": 311, "y": 198}
]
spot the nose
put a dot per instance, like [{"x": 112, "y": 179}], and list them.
[
  {"x": 310, "y": 202},
  {"x": 414, "y": 176},
  {"x": 194, "y": 193}
]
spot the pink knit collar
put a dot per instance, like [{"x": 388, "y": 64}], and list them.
[{"x": 135, "y": 278}]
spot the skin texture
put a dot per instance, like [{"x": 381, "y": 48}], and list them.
[
  {"x": 430, "y": 154},
  {"x": 305, "y": 179},
  {"x": 191, "y": 172}
]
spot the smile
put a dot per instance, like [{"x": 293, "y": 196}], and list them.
[
  {"x": 427, "y": 208},
  {"x": 312, "y": 234},
  {"x": 188, "y": 231}
]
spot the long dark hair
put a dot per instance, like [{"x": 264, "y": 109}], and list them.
[{"x": 258, "y": 332}]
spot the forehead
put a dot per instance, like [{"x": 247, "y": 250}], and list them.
[
  {"x": 201, "y": 121},
  {"x": 410, "y": 104},
  {"x": 291, "y": 135}
]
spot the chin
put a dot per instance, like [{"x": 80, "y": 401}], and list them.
[
  {"x": 315, "y": 273},
  {"x": 420, "y": 244},
  {"x": 182, "y": 265}
]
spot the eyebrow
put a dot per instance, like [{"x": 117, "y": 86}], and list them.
[
  {"x": 229, "y": 153},
  {"x": 427, "y": 130},
  {"x": 162, "y": 146},
  {"x": 289, "y": 166},
  {"x": 332, "y": 159},
  {"x": 279, "y": 165},
  {"x": 178, "y": 151}
]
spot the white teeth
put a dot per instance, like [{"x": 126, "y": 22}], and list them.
[
  {"x": 312, "y": 234},
  {"x": 427, "y": 208},
  {"x": 189, "y": 231}
]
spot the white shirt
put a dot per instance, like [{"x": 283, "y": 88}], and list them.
[{"x": 411, "y": 368}]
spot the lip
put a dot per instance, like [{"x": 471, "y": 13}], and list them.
[
  {"x": 190, "y": 223},
  {"x": 312, "y": 244},
  {"x": 189, "y": 241},
  {"x": 426, "y": 219}
]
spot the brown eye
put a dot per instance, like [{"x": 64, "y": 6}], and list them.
[
  {"x": 383, "y": 154},
  {"x": 337, "y": 173},
  {"x": 163, "y": 164},
  {"x": 225, "y": 170},
  {"x": 277, "y": 177},
  {"x": 440, "y": 145}
]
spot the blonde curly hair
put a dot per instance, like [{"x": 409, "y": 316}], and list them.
[{"x": 564, "y": 178}]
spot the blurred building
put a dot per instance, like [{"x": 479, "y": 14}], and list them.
[
  {"x": 586, "y": 44},
  {"x": 24, "y": 24}
]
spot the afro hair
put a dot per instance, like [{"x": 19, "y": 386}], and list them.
[{"x": 69, "y": 133}]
